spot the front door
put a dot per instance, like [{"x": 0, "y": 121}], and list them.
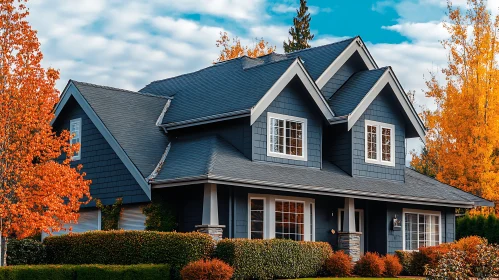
[{"x": 359, "y": 225}]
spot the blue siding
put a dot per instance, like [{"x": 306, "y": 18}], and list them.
[
  {"x": 383, "y": 109},
  {"x": 292, "y": 101},
  {"x": 351, "y": 66},
  {"x": 110, "y": 178},
  {"x": 337, "y": 146},
  {"x": 450, "y": 225}
]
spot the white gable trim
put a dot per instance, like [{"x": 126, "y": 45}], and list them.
[
  {"x": 72, "y": 90},
  {"x": 355, "y": 46},
  {"x": 388, "y": 78},
  {"x": 296, "y": 69}
]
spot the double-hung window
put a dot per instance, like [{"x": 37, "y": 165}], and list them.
[
  {"x": 380, "y": 143},
  {"x": 281, "y": 217},
  {"x": 75, "y": 130},
  {"x": 286, "y": 137},
  {"x": 421, "y": 229}
]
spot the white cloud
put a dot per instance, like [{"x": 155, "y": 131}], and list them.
[
  {"x": 291, "y": 7},
  {"x": 284, "y": 8},
  {"x": 247, "y": 9},
  {"x": 432, "y": 31}
]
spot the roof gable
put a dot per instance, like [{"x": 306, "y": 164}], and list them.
[{"x": 126, "y": 119}]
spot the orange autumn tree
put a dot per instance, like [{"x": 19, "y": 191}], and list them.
[
  {"x": 232, "y": 48},
  {"x": 38, "y": 187},
  {"x": 462, "y": 143}
]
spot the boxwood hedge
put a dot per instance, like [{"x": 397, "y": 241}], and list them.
[
  {"x": 128, "y": 247},
  {"x": 275, "y": 258},
  {"x": 25, "y": 251},
  {"x": 85, "y": 272}
]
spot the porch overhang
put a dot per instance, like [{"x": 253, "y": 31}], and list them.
[{"x": 317, "y": 190}]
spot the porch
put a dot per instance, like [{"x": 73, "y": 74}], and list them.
[{"x": 352, "y": 224}]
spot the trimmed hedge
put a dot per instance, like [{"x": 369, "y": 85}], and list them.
[
  {"x": 25, "y": 251},
  {"x": 86, "y": 272},
  {"x": 275, "y": 258},
  {"x": 487, "y": 227},
  {"x": 129, "y": 247}
]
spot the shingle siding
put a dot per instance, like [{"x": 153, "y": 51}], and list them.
[
  {"x": 353, "y": 65},
  {"x": 382, "y": 109},
  {"x": 292, "y": 101},
  {"x": 450, "y": 225},
  {"x": 337, "y": 146},
  {"x": 110, "y": 178}
]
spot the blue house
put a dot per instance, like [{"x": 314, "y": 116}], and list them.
[{"x": 308, "y": 145}]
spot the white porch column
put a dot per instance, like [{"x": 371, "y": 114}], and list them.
[
  {"x": 349, "y": 215},
  {"x": 209, "y": 219},
  {"x": 349, "y": 239}
]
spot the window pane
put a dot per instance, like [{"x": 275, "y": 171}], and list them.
[
  {"x": 291, "y": 224},
  {"x": 257, "y": 218},
  {"x": 386, "y": 144},
  {"x": 371, "y": 142}
]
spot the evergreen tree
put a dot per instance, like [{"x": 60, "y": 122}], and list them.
[{"x": 300, "y": 32}]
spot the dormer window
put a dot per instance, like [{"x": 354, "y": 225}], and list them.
[
  {"x": 380, "y": 143},
  {"x": 286, "y": 137}
]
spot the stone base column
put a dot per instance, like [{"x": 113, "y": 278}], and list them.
[
  {"x": 215, "y": 231},
  {"x": 349, "y": 242}
]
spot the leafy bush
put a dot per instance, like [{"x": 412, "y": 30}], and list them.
[
  {"x": 110, "y": 214},
  {"x": 370, "y": 265},
  {"x": 25, "y": 251},
  {"x": 85, "y": 272},
  {"x": 207, "y": 270},
  {"x": 275, "y": 258},
  {"x": 129, "y": 247},
  {"x": 339, "y": 264},
  {"x": 406, "y": 261},
  {"x": 487, "y": 227},
  {"x": 393, "y": 267},
  {"x": 159, "y": 217},
  {"x": 481, "y": 262}
]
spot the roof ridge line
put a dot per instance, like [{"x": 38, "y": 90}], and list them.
[
  {"x": 120, "y": 89},
  {"x": 334, "y": 43},
  {"x": 269, "y": 63}
]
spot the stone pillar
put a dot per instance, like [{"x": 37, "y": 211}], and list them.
[
  {"x": 210, "y": 213},
  {"x": 349, "y": 239}
]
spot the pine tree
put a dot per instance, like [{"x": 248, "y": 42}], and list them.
[{"x": 300, "y": 32}]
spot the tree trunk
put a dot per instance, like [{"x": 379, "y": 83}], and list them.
[{"x": 3, "y": 250}]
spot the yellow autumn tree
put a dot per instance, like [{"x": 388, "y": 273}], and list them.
[
  {"x": 232, "y": 48},
  {"x": 462, "y": 143}
]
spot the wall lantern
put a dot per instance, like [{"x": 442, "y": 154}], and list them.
[{"x": 396, "y": 224}]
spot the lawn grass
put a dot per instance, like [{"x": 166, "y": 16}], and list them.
[{"x": 351, "y": 278}]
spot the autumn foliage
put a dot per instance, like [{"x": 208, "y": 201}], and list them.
[
  {"x": 232, "y": 48},
  {"x": 207, "y": 270},
  {"x": 462, "y": 143},
  {"x": 37, "y": 191}
]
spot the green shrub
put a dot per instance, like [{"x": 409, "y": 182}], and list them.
[
  {"x": 86, "y": 272},
  {"x": 275, "y": 258},
  {"x": 405, "y": 258},
  {"x": 110, "y": 214},
  {"x": 129, "y": 247},
  {"x": 479, "y": 225},
  {"x": 159, "y": 217},
  {"x": 25, "y": 251},
  {"x": 393, "y": 268}
]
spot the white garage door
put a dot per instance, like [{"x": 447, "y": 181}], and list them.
[{"x": 88, "y": 220}]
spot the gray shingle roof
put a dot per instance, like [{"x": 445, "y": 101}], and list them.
[
  {"x": 214, "y": 158},
  {"x": 236, "y": 84},
  {"x": 131, "y": 118},
  {"x": 349, "y": 95}
]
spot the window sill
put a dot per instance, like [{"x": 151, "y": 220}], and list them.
[{"x": 285, "y": 156}]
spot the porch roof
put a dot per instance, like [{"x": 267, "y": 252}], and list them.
[{"x": 212, "y": 159}]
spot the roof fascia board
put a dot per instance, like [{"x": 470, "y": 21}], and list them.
[
  {"x": 355, "y": 46},
  {"x": 308, "y": 190},
  {"x": 295, "y": 69},
  {"x": 62, "y": 102},
  {"x": 388, "y": 78},
  {"x": 72, "y": 90},
  {"x": 209, "y": 119}
]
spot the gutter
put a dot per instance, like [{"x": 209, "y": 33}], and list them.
[{"x": 308, "y": 189}]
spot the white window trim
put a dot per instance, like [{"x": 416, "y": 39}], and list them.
[
  {"x": 379, "y": 159},
  {"x": 423, "y": 212},
  {"x": 73, "y": 121},
  {"x": 361, "y": 214},
  {"x": 269, "y": 214},
  {"x": 303, "y": 157}
]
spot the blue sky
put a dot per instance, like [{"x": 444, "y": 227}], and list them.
[{"x": 129, "y": 43}]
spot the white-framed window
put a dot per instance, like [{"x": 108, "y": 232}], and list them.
[
  {"x": 282, "y": 217},
  {"x": 379, "y": 143},
  {"x": 286, "y": 137},
  {"x": 421, "y": 228},
  {"x": 75, "y": 130}
]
